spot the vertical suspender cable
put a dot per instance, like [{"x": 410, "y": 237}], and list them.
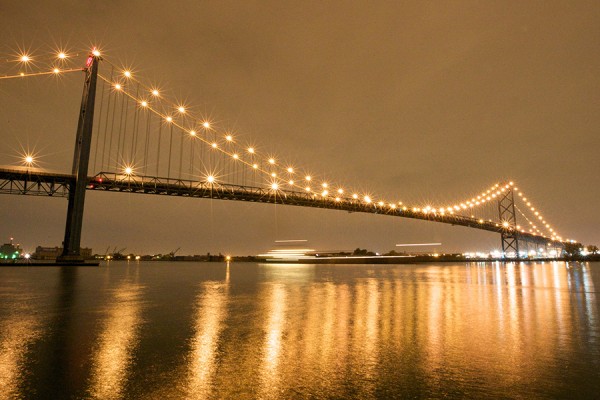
[
  {"x": 98, "y": 128},
  {"x": 147, "y": 142},
  {"x": 118, "y": 158},
  {"x": 106, "y": 121},
  {"x": 158, "y": 151},
  {"x": 123, "y": 151},
  {"x": 170, "y": 151},
  {"x": 180, "y": 156},
  {"x": 136, "y": 117},
  {"x": 192, "y": 142},
  {"x": 112, "y": 133}
]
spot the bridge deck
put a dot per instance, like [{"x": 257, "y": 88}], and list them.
[{"x": 51, "y": 184}]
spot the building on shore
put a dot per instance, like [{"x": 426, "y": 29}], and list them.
[
  {"x": 10, "y": 251},
  {"x": 52, "y": 253}
]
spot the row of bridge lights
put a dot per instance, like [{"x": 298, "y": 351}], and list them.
[
  {"x": 481, "y": 199},
  {"x": 487, "y": 196},
  {"x": 26, "y": 59},
  {"x": 250, "y": 150}
]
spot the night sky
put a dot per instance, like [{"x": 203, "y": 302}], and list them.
[{"x": 419, "y": 101}]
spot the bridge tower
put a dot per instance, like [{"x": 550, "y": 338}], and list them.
[
  {"x": 506, "y": 210},
  {"x": 81, "y": 158}
]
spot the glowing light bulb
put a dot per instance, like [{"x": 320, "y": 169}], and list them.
[
  {"x": 255, "y": 166},
  {"x": 307, "y": 188},
  {"x": 96, "y": 52},
  {"x": 229, "y": 138},
  {"x": 392, "y": 206},
  {"x": 367, "y": 199},
  {"x": 210, "y": 179},
  {"x": 128, "y": 171},
  {"x": 155, "y": 92},
  {"x": 340, "y": 191},
  {"x": 169, "y": 119},
  {"x": 271, "y": 161},
  {"x": 193, "y": 133},
  {"x": 127, "y": 74},
  {"x": 118, "y": 86},
  {"x": 273, "y": 174},
  {"x": 214, "y": 145},
  {"x": 29, "y": 159},
  {"x": 144, "y": 103},
  {"x": 181, "y": 109},
  {"x": 25, "y": 58},
  {"x": 325, "y": 193},
  {"x": 308, "y": 178},
  {"x": 274, "y": 186},
  {"x": 290, "y": 170},
  {"x": 206, "y": 124},
  {"x": 235, "y": 156},
  {"x": 251, "y": 150},
  {"x": 56, "y": 70},
  {"x": 355, "y": 196},
  {"x": 381, "y": 203},
  {"x": 62, "y": 55},
  {"x": 324, "y": 184},
  {"x": 291, "y": 182}
]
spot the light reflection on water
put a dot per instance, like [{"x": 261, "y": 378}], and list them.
[
  {"x": 113, "y": 356},
  {"x": 208, "y": 330},
  {"x": 18, "y": 329},
  {"x": 210, "y": 313}
]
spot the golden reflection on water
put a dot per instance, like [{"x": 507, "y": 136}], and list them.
[
  {"x": 211, "y": 310},
  {"x": 488, "y": 323},
  {"x": 481, "y": 329},
  {"x": 113, "y": 357},
  {"x": 272, "y": 346},
  {"x": 17, "y": 331}
]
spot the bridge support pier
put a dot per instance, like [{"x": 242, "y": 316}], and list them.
[
  {"x": 71, "y": 244},
  {"x": 510, "y": 234}
]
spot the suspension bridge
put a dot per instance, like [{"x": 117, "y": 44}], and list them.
[{"x": 134, "y": 138}]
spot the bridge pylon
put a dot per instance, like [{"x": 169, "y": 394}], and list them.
[
  {"x": 510, "y": 232},
  {"x": 81, "y": 157}
]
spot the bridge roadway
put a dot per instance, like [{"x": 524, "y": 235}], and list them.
[{"x": 35, "y": 182}]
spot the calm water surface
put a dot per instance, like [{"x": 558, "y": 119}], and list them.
[{"x": 208, "y": 330}]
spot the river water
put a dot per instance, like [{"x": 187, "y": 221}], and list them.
[{"x": 159, "y": 330}]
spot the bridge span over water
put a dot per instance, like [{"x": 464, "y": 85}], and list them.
[{"x": 132, "y": 138}]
